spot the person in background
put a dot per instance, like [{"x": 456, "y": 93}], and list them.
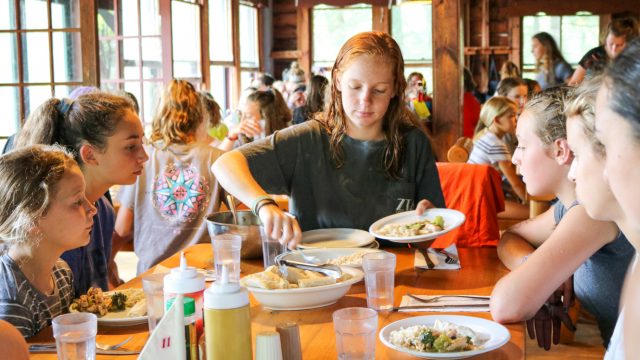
[
  {"x": 297, "y": 97},
  {"x": 544, "y": 251},
  {"x": 533, "y": 88},
  {"x": 619, "y": 32},
  {"x": 551, "y": 67},
  {"x": 212, "y": 118},
  {"x": 617, "y": 127},
  {"x": 315, "y": 100},
  {"x": 43, "y": 212},
  {"x": 165, "y": 209},
  {"x": 367, "y": 150},
  {"x": 105, "y": 135},
  {"x": 265, "y": 81},
  {"x": 515, "y": 89},
  {"x": 267, "y": 111},
  {"x": 470, "y": 106},
  {"x": 416, "y": 96},
  {"x": 509, "y": 69}
]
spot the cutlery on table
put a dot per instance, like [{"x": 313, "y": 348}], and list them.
[
  {"x": 449, "y": 257},
  {"x": 436, "y": 298},
  {"x": 438, "y": 306},
  {"x": 100, "y": 348},
  {"x": 425, "y": 254}
]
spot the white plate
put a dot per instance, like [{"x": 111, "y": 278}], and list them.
[
  {"x": 121, "y": 319},
  {"x": 324, "y": 255},
  {"x": 335, "y": 238},
  {"x": 498, "y": 334},
  {"x": 452, "y": 219},
  {"x": 306, "y": 298}
]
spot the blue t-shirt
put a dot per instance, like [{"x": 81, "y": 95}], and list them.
[
  {"x": 598, "y": 281},
  {"x": 89, "y": 263}
]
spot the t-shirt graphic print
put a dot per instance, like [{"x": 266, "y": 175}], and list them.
[{"x": 180, "y": 192}]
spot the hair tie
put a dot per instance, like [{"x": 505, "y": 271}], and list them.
[{"x": 64, "y": 105}]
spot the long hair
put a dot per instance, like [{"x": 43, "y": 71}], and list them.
[
  {"x": 28, "y": 181},
  {"x": 210, "y": 108},
  {"x": 179, "y": 114},
  {"x": 91, "y": 118},
  {"x": 397, "y": 120},
  {"x": 493, "y": 108},
  {"x": 509, "y": 69},
  {"x": 317, "y": 89},
  {"x": 273, "y": 109},
  {"x": 551, "y": 57},
  {"x": 622, "y": 78},
  {"x": 625, "y": 26}
]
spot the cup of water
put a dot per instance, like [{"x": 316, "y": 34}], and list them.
[
  {"x": 379, "y": 272},
  {"x": 226, "y": 253},
  {"x": 355, "y": 330},
  {"x": 270, "y": 249},
  {"x": 153, "y": 285},
  {"x": 75, "y": 335}
]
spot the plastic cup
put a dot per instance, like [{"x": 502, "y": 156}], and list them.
[
  {"x": 379, "y": 273},
  {"x": 268, "y": 346},
  {"x": 75, "y": 335},
  {"x": 226, "y": 253},
  {"x": 355, "y": 333},
  {"x": 270, "y": 249},
  {"x": 153, "y": 285}
]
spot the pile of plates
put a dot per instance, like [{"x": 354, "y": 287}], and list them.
[{"x": 338, "y": 238}]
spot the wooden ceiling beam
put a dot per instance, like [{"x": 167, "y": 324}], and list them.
[{"x": 555, "y": 7}]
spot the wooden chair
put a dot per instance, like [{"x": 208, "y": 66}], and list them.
[{"x": 460, "y": 151}]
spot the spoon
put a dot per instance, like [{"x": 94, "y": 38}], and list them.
[{"x": 232, "y": 206}]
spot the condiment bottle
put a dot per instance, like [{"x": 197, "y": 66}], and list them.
[
  {"x": 186, "y": 281},
  {"x": 190, "y": 337},
  {"x": 227, "y": 320}
]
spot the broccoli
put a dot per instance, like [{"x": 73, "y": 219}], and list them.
[
  {"x": 118, "y": 301},
  {"x": 438, "y": 221},
  {"x": 442, "y": 343},
  {"x": 427, "y": 339}
]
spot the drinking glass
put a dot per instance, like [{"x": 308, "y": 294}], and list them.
[
  {"x": 379, "y": 272},
  {"x": 270, "y": 249},
  {"x": 153, "y": 285},
  {"x": 75, "y": 335},
  {"x": 355, "y": 330}
]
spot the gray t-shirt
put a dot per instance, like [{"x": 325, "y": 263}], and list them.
[
  {"x": 171, "y": 200},
  {"x": 24, "y": 306},
  {"x": 598, "y": 281},
  {"x": 296, "y": 161}
]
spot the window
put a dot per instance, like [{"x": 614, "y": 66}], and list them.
[
  {"x": 220, "y": 51},
  {"x": 332, "y": 26},
  {"x": 411, "y": 28},
  {"x": 575, "y": 35},
  {"x": 41, "y": 56},
  {"x": 185, "y": 24},
  {"x": 130, "y": 50},
  {"x": 249, "y": 51}
]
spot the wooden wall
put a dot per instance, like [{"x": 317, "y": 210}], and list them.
[{"x": 285, "y": 39}]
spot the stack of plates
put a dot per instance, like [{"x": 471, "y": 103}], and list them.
[{"x": 338, "y": 238}]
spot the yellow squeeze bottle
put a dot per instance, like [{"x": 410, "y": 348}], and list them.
[{"x": 227, "y": 320}]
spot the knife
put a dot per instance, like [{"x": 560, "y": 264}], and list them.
[
  {"x": 46, "y": 348},
  {"x": 435, "y": 306}
]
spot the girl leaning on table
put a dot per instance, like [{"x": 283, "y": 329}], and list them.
[
  {"x": 617, "y": 127},
  {"x": 43, "y": 212},
  {"x": 546, "y": 250},
  {"x": 365, "y": 158},
  {"x": 105, "y": 135}
]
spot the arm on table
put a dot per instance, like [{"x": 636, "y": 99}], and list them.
[
  {"x": 520, "y": 294},
  {"x": 522, "y": 239},
  {"x": 233, "y": 173}
]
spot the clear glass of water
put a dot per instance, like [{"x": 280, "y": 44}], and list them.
[
  {"x": 226, "y": 253},
  {"x": 75, "y": 335},
  {"x": 153, "y": 286},
  {"x": 379, "y": 273},
  {"x": 270, "y": 249},
  {"x": 355, "y": 330}
]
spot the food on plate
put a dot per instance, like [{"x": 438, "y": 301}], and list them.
[
  {"x": 354, "y": 259},
  {"x": 272, "y": 279},
  {"x": 444, "y": 336},
  {"x": 422, "y": 227},
  {"x": 101, "y": 303}
]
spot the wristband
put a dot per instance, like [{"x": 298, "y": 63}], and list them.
[
  {"x": 232, "y": 138},
  {"x": 263, "y": 203},
  {"x": 257, "y": 202}
]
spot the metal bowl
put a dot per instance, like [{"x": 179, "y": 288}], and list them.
[{"x": 249, "y": 227}]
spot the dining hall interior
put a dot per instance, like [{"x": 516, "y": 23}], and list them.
[{"x": 227, "y": 103}]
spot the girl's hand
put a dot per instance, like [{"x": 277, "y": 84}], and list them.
[
  {"x": 279, "y": 225},
  {"x": 249, "y": 127},
  {"x": 423, "y": 205}
]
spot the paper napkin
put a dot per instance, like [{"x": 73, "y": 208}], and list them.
[
  {"x": 437, "y": 259},
  {"x": 167, "y": 339},
  {"x": 449, "y": 303}
]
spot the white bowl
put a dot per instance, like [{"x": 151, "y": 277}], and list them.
[
  {"x": 306, "y": 298},
  {"x": 324, "y": 255}
]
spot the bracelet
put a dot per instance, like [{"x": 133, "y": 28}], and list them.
[
  {"x": 234, "y": 138},
  {"x": 257, "y": 201},
  {"x": 264, "y": 203}
]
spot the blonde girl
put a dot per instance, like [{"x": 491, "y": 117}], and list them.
[
  {"x": 497, "y": 118},
  {"x": 367, "y": 151},
  {"x": 164, "y": 210},
  {"x": 43, "y": 213},
  {"x": 544, "y": 251},
  {"x": 105, "y": 135}
]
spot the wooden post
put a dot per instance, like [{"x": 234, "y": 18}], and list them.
[
  {"x": 89, "y": 40},
  {"x": 304, "y": 39},
  {"x": 380, "y": 17},
  {"x": 447, "y": 64}
]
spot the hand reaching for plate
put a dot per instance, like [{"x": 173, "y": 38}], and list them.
[
  {"x": 423, "y": 205},
  {"x": 280, "y": 225}
]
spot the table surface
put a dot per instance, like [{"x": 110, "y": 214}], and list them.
[{"x": 481, "y": 269}]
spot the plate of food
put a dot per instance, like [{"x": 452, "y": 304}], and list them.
[
  {"x": 299, "y": 289},
  {"x": 335, "y": 256},
  {"x": 444, "y": 336},
  {"x": 114, "y": 308},
  {"x": 335, "y": 238},
  {"x": 408, "y": 227}
]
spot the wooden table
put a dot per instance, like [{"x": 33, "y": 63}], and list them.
[{"x": 481, "y": 270}]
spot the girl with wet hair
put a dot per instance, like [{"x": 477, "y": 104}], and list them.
[
  {"x": 105, "y": 136},
  {"x": 165, "y": 209},
  {"x": 43, "y": 213},
  {"x": 552, "y": 69},
  {"x": 367, "y": 150}
]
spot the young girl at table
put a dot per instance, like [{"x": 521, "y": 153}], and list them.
[
  {"x": 544, "y": 251},
  {"x": 366, "y": 158},
  {"x": 617, "y": 128},
  {"x": 105, "y": 135},
  {"x": 43, "y": 212},
  {"x": 166, "y": 207}
]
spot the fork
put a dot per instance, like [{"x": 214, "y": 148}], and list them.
[
  {"x": 113, "y": 347},
  {"x": 436, "y": 298},
  {"x": 449, "y": 258}
]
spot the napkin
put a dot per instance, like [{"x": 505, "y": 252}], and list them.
[
  {"x": 450, "y": 303},
  {"x": 437, "y": 259},
  {"x": 167, "y": 339}
]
